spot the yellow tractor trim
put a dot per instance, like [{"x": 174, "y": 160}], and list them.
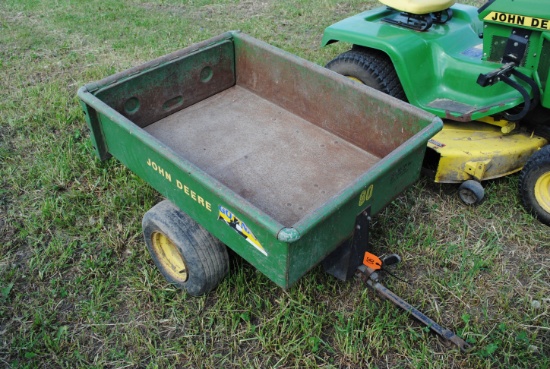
[
  {"x": 479, "y": 151},
  {"x": 419, "y": 6},
  {"x": 505, "y": 125},
  {"x": 477, "y": 168},
  {"x": 355, "y": 79}
]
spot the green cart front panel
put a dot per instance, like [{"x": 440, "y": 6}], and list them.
[{"x": 273, "y": 155}]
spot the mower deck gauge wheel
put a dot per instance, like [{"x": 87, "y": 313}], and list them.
[{"x": 471, "y": 192}]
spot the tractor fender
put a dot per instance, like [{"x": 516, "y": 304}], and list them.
[
  {"x": 418, "y": 57},
  {"x": 409, "y": 53}
]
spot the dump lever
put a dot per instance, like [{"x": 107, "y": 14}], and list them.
[{"x": 372, "y": 279}]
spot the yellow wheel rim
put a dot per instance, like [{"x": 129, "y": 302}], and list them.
[
  {"x": 542, "y": 191},
  {"x": 169, "y": 257},
  {"x": 355, "y": 79}
]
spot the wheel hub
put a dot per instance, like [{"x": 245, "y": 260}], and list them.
[
  {"x": 468, "y": 197},
  {"x": 169, "y": 256},
  {"x": 542, "y": 191}
]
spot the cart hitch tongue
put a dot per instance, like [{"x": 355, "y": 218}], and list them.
[{"x": 372, "y": 278}]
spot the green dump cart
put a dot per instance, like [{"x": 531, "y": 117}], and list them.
[{"x": 258, "y": 150}]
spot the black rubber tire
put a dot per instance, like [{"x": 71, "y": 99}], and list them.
[
  {"x": 205, "y": 258},
  {"x": 372, "y": 67},
  {"x": 471, "y": 192},
  {"x": 536, "y": 167}
]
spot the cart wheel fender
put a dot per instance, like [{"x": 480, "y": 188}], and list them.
[
  {"x": 187, "y": 255},
  {"x": 471, "y": 192},
  {"x": 370, "y": 67},
  {"x": 534, "y": 185}
]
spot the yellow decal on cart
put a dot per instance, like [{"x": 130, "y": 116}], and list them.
[
  {"x": 240, "y": 227},
  {"x": 366, "y": 195},
  {"x": 195, "y": 196},
  {"x": 518, "y": 20}
]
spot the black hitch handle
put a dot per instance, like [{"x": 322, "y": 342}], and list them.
[
  {"x": 503, "y": 74},
  {"x": 489, "y": 79}
]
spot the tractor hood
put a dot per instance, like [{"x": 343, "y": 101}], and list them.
[{"x": 527, "y": 13}]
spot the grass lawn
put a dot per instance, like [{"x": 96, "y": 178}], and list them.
[{"x": 79, "y": 289}]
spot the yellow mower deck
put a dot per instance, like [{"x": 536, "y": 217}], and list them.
[{"x": 475, "y": 150}]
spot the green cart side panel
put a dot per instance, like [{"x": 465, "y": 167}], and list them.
[
  {"x": 119, "y": 107},
  {"x": 92, "y": 120},
  {"x": 156, "y": 89},
  {"x": 438, "y": 68},
  {"x": 174, "y": 85}
]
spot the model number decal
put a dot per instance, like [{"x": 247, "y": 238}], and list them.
[
  {"x": 366, "y": 195},
  {"x": 240, "y": 227},
  {"x": 518, "y": 20}
]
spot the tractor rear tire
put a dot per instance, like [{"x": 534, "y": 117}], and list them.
[
  {"x": 534, "y": 185},
  {"x": 370, "y": 67},
  {"x": 187, "y": 255}
]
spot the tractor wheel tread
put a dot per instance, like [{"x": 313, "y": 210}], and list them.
[
  {"x": 376, "y": 64},
  {"x": 537, "y": 166}
]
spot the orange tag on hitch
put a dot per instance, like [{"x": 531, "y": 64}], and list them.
[{"x": 372, "y": 261}]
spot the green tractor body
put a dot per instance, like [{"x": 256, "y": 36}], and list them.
[
  {"x": 438, "y": 68},
  {"x": 484, "y": 71}
]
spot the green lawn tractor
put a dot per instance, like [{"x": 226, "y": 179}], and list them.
[{"x": 484, "y": 71}]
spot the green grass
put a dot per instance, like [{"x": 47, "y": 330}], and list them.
[{"x": 78, "y": 289}]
